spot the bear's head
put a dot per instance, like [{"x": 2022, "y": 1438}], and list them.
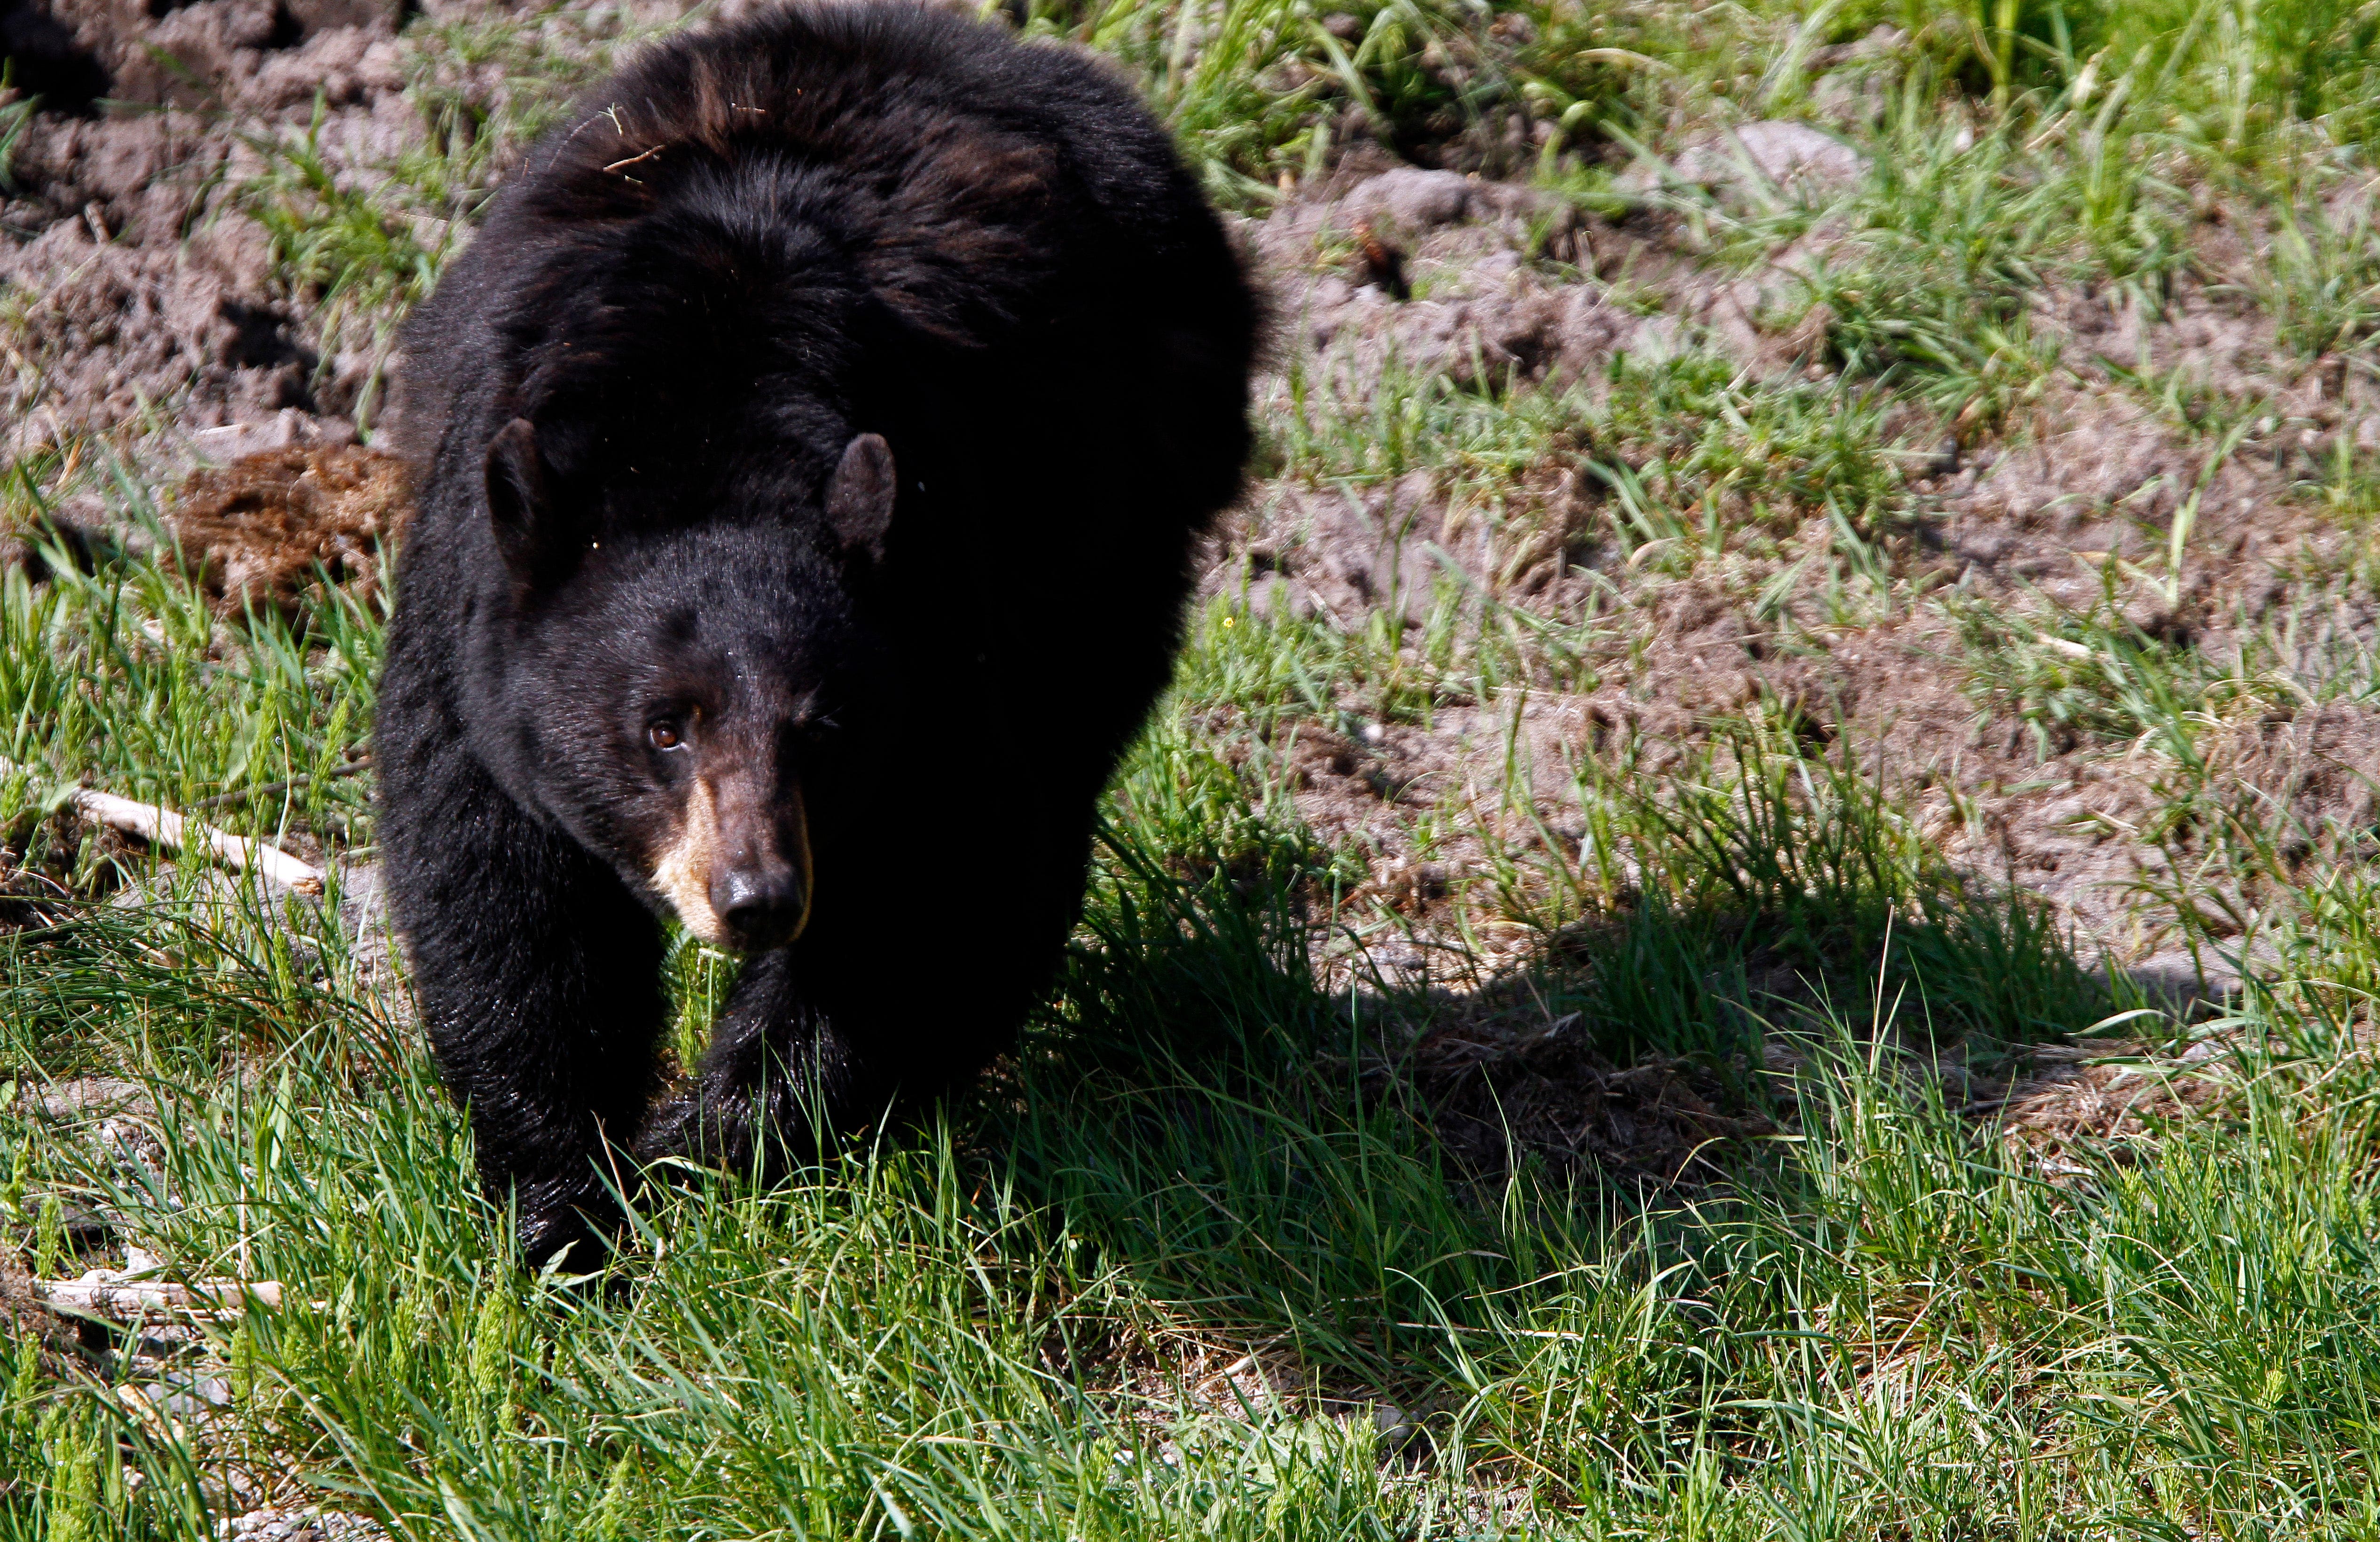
[{"x": 680, "y": 694}]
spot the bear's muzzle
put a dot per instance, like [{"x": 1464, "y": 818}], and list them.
[{"x": 738, "y": 874}]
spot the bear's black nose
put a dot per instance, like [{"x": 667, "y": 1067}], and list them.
[{"x": 761, "y": 907}]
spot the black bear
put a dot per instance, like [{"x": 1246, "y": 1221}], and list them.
[{"x": 811, "y": 447}]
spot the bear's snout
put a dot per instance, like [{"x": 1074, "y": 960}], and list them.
[
  {"x": 738, "y": 874},
  {"x": 760, "y": 905}
]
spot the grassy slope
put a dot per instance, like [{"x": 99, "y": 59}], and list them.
[{"x": 1200, "y": 1262}]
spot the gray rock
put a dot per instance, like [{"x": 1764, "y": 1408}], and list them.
[
  {"x": 287, "y": 427},
  {"x": 309, "y": 1524},
  {"x": 211, "y": 896},
  {"x": 2184, "y": 986},
  {"x": 188, "y": 1397},
  {"x": 1790, "y": 156},
  {"x": 91, "y": 529},
  {"x": 232, "y": 901},
  {"x": 1414, "y": 200},
  {"x": 85, "y": 1097},
  {"x": 373, "y": 950}
]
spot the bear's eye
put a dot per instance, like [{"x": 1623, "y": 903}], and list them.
[{"x": 664, "y": 735}]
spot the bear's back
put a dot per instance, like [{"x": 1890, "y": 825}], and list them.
[{"x": 890, "y": 206}]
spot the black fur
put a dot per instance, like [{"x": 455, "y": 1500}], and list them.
[{"x": 627, "y": 401}]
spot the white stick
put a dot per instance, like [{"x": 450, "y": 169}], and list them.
[
  {"x": 168, "y": 828},
  {"x": 147, "y": 1301}
]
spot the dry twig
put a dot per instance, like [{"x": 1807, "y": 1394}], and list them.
[
  {"x": 168, "y": 828},
  {"x": 121, "y": 1300}
]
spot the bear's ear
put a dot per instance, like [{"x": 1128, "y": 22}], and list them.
[
  {"x": 860, "y": 497},
  {"x": 516, "y": 475}
]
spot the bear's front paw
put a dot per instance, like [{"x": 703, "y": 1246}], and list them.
[
  {"x": 568, "y": 1240},
  {"x": 698, "y": 1132}
]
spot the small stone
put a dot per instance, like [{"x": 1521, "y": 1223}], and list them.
[
  {"x": 283, "y": 430},
  {"x": 1393, "y": 1426},
  {"x": 1412, "y": 199},
  {"x": 82, "y": 1096},
  {"x": 309, "y": 1524},
  {"x": 1791, "y": 156}
]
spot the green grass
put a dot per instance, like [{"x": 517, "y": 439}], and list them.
[
  {"x": 1258, "y": 90},
  {"x": 1016, "y": 1325},
  {"x": 1769, "y": 1236},
  {"x": 13, "y": 118},
  {"x": 125, "y": 677}
]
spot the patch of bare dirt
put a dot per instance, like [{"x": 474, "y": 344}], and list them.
[
  {"x": 106, "y": 331},
  {"x": 267, "y": 531},
  {"x": 139, "y": 300},
  {"x": 1660, "y": 1121},
  {"x": 2191, "y": 416},
  {"x": 128, "y": 283},
  {"x": 1433, "y": 273},
  {"x": 2072, "y": 1104}
]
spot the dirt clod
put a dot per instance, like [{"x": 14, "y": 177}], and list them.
[{"x": 267, "y": 530}]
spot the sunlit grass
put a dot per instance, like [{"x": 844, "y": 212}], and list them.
[{"x": 1199, "y": 1260}]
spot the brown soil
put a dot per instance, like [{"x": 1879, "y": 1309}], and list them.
[
  {"x": 139, "y": 299},
  {"x": 2088, "y": 476},
  {"x": 135, "y": 291},
  {"x": 271, "y": 528},
  {"x": 1660, "y": 1123},
  {"x": 2076, "y": 1101}
]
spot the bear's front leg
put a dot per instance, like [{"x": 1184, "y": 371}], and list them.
[
  {"x": 538, "y": 973},
  {"x": 856, "y": 1020},
  {"x": 813, "y": 1044},
  {"x": 776, "y": 1081}
]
